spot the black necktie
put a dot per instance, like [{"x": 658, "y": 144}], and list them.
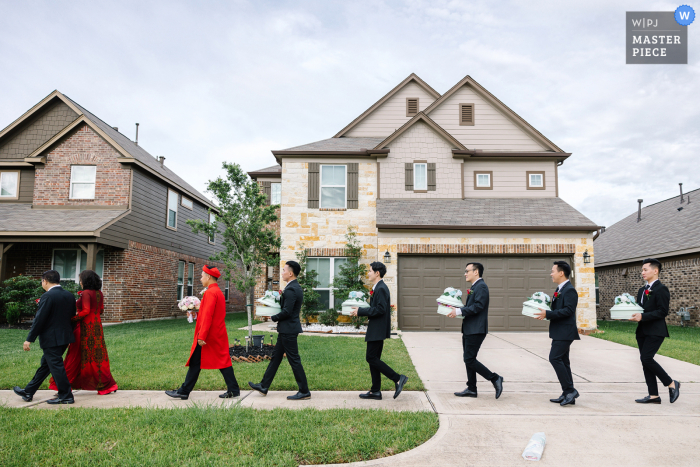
[{"x": 646, "y": 287}]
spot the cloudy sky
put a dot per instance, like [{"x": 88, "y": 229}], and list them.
[{"x": 213, "y": 81}]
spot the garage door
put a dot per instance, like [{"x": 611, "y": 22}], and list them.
[{"x": 511, "y": 279}]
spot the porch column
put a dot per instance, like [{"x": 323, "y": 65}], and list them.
[
  {"x": 91, "y": 256},
  {"x": 3, "y": 259}
]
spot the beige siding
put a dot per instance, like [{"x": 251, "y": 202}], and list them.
[
  {"x": 491, "y": 129},
  {"x": 389, "y": 116},
  {"x": 509, "y": 179}
]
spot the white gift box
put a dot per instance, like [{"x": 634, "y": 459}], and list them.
[
  {"x": 351, "y": 303},
  {"x": 450, "y": 301},
  {"x": 625, "y": 311},
  {"x": 263, "y": 310},
  {"x": 531, "y": 307}
]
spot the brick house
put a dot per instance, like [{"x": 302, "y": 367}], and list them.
[
  {"x": 430, "y": 181},
  {"x": 77, "y": 194},
  {"x": 668, "y": 231}
]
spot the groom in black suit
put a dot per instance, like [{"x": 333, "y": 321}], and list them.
[
  {"x": 562, "y": 330},
  {"x": 474, "y": 329},
  {"x": 378, "y": 329},
  {"x": 52, "y": 325},
  {"x": 651, "y": 331}
]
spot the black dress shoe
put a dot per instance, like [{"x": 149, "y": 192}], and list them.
[
  {"x": 177, "y": 395},
  {"x": 399, "y": 385},
  {"x": 258, "y": 387},
  {"x": 498, "y": 384},
  {"x": 372, "y": 395},
  {"x": 558, "y": 399},
  {"x": 230, "y": 395},
  {"x": 67, "y": 400},
  {"x": 299, "y": 396},
  {"x": 569, "y": 399},
  {"x": 466, "y": 393},
  {"x": 674, "y": 392},
  {"x": 23, "y": 394},
  {"x": 648, "y": 400}
]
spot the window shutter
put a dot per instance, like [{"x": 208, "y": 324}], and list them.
[
  {"x": 352, "y": 187},
  {"x": 466, "y": 114},
  {"x": 314, "y": 184},
  {"x": 267, "y": 190},
  {"x": 409, "y": 176},
  {"x": 431, "y": 177},
  {"x": 411, "y": 106}
]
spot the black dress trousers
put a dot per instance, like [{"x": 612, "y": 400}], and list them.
[
  {"x": 648, "y": 346},
  {"x": 286, "y": 343},
  {"x": 559, "y": 358},
  {"x": 194, "y": 370},
  {"x": 377, "y": 367},
  {"x": 471, "y": 343},
  {"x": 52, "y": 363}
]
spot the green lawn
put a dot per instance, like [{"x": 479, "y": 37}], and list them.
[
  {"x": 152, "y": 355},
  {"x": 206, "y": 436},
  {"x": 683, "y": 344}
]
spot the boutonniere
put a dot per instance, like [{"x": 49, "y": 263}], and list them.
[
  {"x": 37, "y": 300},
  {"x": 556, "y": 294},
  {"x": 371, "y": 292},
  {"x": 469, "y": 292},
  {"x": 647, "y": 292}
]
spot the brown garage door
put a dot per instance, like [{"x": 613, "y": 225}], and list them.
[{"x": 510, "y": 279}]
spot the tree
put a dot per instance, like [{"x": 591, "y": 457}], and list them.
[
  {"x": 308, "y": 281},
  {"x": 352, "y": 273},
  {"x": 248, "y": 238}
]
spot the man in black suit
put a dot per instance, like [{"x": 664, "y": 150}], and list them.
[
  {"x": 562, "y": 330},
  {"x": 378, "y": 329},
  {"x": 288, "y": 328},
  {"x": 52, "y": 325},
  {"x": 474, "y": 329},
  {"x": 652, "y": 330}
]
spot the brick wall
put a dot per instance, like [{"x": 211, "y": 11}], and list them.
[{"x": 681, "y": 276}]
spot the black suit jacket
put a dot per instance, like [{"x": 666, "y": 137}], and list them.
[
  {"x": 379, "y": 314},
  {"x": 562, "y": 317},
  {"x": 52, "y": 323},
  {"x": 476, "y": 311},
  {"x": 288, "y": 321},
  {"x": 655, "y": 307}
]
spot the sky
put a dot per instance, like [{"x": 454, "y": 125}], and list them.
[{"x": 214, "y": 81}]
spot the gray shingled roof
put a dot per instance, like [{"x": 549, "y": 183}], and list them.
[
  {"x": 339, "y": 144},
  {"x": 662, "y": 231},
  {"x": 274, "y": 169},
  {"x": 480, "y": 212},
  {"x": 18, "y": 217},
  {"x": 141, "y": 155}
]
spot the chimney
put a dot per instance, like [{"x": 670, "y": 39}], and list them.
[
  {"x": 639, "y": 210},
  {"x": 116, "y": 128},
  {"x": 161, "y": 159},
  {"x": 137, "y": 134},
  {"x": 602, "y": 229},
  {"x": 680, "y": 185}
]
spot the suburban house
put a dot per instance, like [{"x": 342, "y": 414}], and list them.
[
  {"x": 77, "y": 194},
  {"x": 668, "y": 231},
  {"x": 430, "y": 182}
]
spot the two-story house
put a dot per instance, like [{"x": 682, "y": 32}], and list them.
[
  {"x": 430, "y": 182},
  {"x": 77, "y": 194}
]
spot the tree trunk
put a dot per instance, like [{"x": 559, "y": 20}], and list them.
[{"x": 249, "y": 309}]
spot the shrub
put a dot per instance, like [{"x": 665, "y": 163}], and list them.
[
  {"x": 13, "y": 312},
  {"x": 308, "y": 281},
  {"x": 21, "y": 292},
  {"x": 329, "y": 318}
]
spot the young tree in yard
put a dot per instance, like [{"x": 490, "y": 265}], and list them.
[
  {"x": 351, "y": 274},
  {"x": 308, "y": 282},
  {"x": 248, "y": 239}
]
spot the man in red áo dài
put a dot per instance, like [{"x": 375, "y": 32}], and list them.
[{"x": 210, "y": 346}]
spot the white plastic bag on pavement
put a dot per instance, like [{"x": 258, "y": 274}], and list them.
[{"x": 535, "y": 447}]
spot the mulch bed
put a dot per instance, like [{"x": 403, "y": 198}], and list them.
[
  {"x": 16, "y": 326},
  {"x": 256, "y": 354}
]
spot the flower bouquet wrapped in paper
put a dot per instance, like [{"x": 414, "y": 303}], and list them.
[
  {"x": 450, "y": 297},
  {"x": 190, "y": 305},
  {"x": 355, "y": 299},
  {"x": 539, "y": 300},
  {"x": 625, "y": 306},
  {"x": 268, "y": 304}
]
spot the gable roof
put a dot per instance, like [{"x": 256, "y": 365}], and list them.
[
  {"x": 274, "y": 171},
  {"x": 663, "y": 231},
  {"x": 421, "y": 117},
  {"x": 411, "y": 78},
  {"x": 493, "y": 100}
]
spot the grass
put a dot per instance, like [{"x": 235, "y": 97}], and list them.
[
  {"x": 206, "y": 436},
  {"x": 152, "y": 355},
  {"x": 684, "y": 343}
]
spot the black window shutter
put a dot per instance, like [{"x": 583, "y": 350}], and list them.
[
  {"x": 267, "y": 190},
  {"x": 353, "y": 188},
  {"x": 314, "y": 184},
  {"x": 409, "y": 176},
  {"x": 431, "y": 177}
]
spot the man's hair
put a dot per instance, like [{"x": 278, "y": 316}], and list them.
[
  {"x": 653, "y": 262},
  {"x": 51, "y": 276},
  {"x": 378, "y": 267},
  {"x": 296, "y": 269},
  {"x": 564, "y": 267},
  {"x": 90, "y": 280},
  {"x": 478, "y": 266},
  {"x": 215, "y": 279}
]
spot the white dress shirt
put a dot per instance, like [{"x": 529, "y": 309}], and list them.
[{"x": 649, "y": 284}]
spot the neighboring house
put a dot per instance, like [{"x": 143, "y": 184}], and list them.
[
  {"x": 430, "y": 182},
  {"x": 668, "y": 231},
  {"x": 77, "y": 194}
]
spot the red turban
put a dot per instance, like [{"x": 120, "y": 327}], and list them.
[{"x": 214, "y": 272}]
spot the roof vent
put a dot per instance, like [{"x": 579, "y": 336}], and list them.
[
  {"x": 411, "y": 106},
  {"x": 116, "y": 128},
  {"x": 639, "y": 210},
  {"x": 466, "y": 114},
  {"x": 161, "y": 159},
  {"x": 680, "y": 185},
  {"x": 137, "y": 135}
]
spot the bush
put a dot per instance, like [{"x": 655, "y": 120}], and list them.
[
  {"x": 359, "y": 321},
  {"x": 18, "y": 296},
  {"x": 13, "y": 312},
  {"x": 329, "y": 318}
]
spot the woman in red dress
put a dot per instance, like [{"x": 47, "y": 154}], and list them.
[{"x": 87, "y": 363}]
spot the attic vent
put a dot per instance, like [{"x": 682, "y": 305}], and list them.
[
  {"x": 466, "y": 114},
  {"x": 411, "y": 106}
]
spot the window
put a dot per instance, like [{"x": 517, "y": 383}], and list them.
[
  {"x": 228, "y": 285},
  {"x": 327, "y": 269},
  {"x": 190, "y": 279},
  {"x": 71, "y": 262},
  {"x": 186, "y": 202},
  {"x": 9, "y": 185},
  {"x": 180, "y": 279},
  {"x": 212, "y": 219},
  {"x": 411, "y": 106},
  {"x": 172, "y": 209},
  {"x": 276, "y": 193},
  {"x": 483, "y": 180},
  {"x": 466, "y": 114},
  {"x": 597, "y": 291},
  {"x": 420, "y": 176},
  {"x": 333, "y": 186},
  {"x": 535, "y": 181},
  {"x": 82, "y": 181}
]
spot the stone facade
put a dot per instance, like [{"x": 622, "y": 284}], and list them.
[{"x": 680, "y": 274}]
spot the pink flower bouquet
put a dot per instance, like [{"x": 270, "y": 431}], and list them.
[{"x": 190, "y": 305}]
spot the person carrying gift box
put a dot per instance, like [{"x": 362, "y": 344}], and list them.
[
  {"x": 474, "y": 329},
  {"x": 652, "y": 330}
]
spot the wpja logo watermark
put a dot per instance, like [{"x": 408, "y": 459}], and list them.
[{"x": 659, "y": 37}]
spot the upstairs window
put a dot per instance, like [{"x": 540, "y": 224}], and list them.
[
  {"x": 535, "y": 181},
  {"x": 172, "y": 209},
  {"x": 212, "y": 218},
  {"x": 187, "y": 203},
  {"x": 483, "y": 180},
  {"x": 466, "y": 114},
  {"x": 9, "y": 185},
  {"x": 275, "y": 193},
  {"x": 333, "y": 186},
  {"x": 82, "y": 181},
  {"x": 411, "y": 106},
  {"x": 420, "y": 176}
]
